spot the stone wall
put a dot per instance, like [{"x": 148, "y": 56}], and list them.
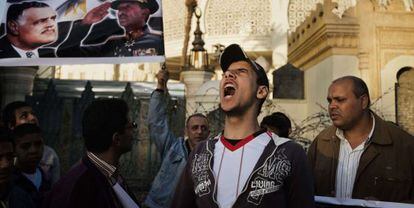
[{"x": 405, "y": 100}]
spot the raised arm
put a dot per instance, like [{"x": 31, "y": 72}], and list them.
[
  {"x": 160, "y": 132},
  {"x": 71, "y": 47}
]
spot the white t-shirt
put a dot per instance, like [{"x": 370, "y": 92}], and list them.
[{"x": 234, "y": 164}]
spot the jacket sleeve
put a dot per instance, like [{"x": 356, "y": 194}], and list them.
[
  {"x": 301, "y": 191},
  {"x": 159, "y": 130},
  {"x": 184, "y": 196},
  {"x": 311, "y": 154},
  {"x": 411, "y": 147}
]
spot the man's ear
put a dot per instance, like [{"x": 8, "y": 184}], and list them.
[
  {"x": 12, "y": 27},
  {"x": 262, "y": 92},
  {"x": 116, "y": 139},
  {"x": 364, "y": 100}
]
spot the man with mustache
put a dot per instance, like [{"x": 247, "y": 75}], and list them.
[
  {"x": 30, "y": 25},
  {"x": 29, "y": 182},
  {"x": 6, "y": 164},
  {"x": 135, "y": 40},
  {"x": 244, "y": 166},
  {"x": 361, "y": 156}
]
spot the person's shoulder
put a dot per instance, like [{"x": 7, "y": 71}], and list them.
[
  {"x": 397, "y": 133},
  {"x": 4, "y": 39},
  {"x": 205, "y": 145},
  {"x": 327, "y": 133},
  {"x": 292, "y": 147},
  {"x": 49, "y": 150},
  {"x": 79, "y": 177},
  {"x": 6, "y": 50}
]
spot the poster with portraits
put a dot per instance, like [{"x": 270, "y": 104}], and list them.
[{"x": 57, "y": 32}]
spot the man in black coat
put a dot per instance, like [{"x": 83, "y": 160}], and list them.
[{"x": 95, "y": 180}]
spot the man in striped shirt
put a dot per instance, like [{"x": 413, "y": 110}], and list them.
[
  {"x": 95, "y": 181},
  {"x": 361, "y": 156}
]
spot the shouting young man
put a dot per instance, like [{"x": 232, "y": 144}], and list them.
[{"x": 244, "y": 166}]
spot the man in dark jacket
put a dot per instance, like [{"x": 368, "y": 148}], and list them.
[
  {"x": 361, "y": 156},
  {"x": 95, "y": 181},
  {"x": 29, "y": 182},
  {"x": 6, "y": 164},
  {"x": 244, "y": 166}
]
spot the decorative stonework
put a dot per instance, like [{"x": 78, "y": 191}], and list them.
[
  {"x": 231, "y": 17},
  {"x": 363, "y": 60},
  {"x": 408, "y": 4},
  {"x": 174, "y": 14},
  {"x": 320, "y": 36},
  {"x": 299, "y": 10},
  {"x": 343, "y": 5},
  {"x": 393, "y": 42}
]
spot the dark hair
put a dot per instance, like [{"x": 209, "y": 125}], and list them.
[
  {"x": 262, "y": 80},
  {"x": 101, "y": 119},
  {"x": 6, "y": 135},
  {"x": 195, "y": 115},
  {"x": 359, "y": 86},
  {"x": 8, "y": 115},
  {"x": 279, "y": 121},
  {"x": 15, "y": 10},
  {"x": 25, "y": 129},
  {"x": 261, "y": 101}
]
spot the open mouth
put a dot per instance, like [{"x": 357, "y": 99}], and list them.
[{"x": 229, "y": 90}]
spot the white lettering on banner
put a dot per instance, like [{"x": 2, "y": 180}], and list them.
[{"x": 360, "y": 202}]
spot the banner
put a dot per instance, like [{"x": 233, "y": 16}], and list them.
[
  {"x": 332, "y": 202},
  {"x": 56, "y": 32}
]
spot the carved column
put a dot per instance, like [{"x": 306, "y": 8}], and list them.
[
  {"x": 193, "y": 81},
  {"x": 16, "y": 83}
]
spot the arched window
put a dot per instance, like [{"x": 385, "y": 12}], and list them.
[{"x": 404, "y": 95}]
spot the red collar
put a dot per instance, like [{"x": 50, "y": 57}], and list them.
[{"x": 241, "y": 143}]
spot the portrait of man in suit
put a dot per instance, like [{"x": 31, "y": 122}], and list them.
[{"x": 29, "y": 25}]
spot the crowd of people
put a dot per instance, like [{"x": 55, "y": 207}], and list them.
[{"x": 360, "y": 156}]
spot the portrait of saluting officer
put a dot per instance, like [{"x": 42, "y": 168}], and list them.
[{"x": 132, "y": 17}]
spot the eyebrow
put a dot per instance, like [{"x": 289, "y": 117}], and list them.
[{"x": 44, "y": 19}]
